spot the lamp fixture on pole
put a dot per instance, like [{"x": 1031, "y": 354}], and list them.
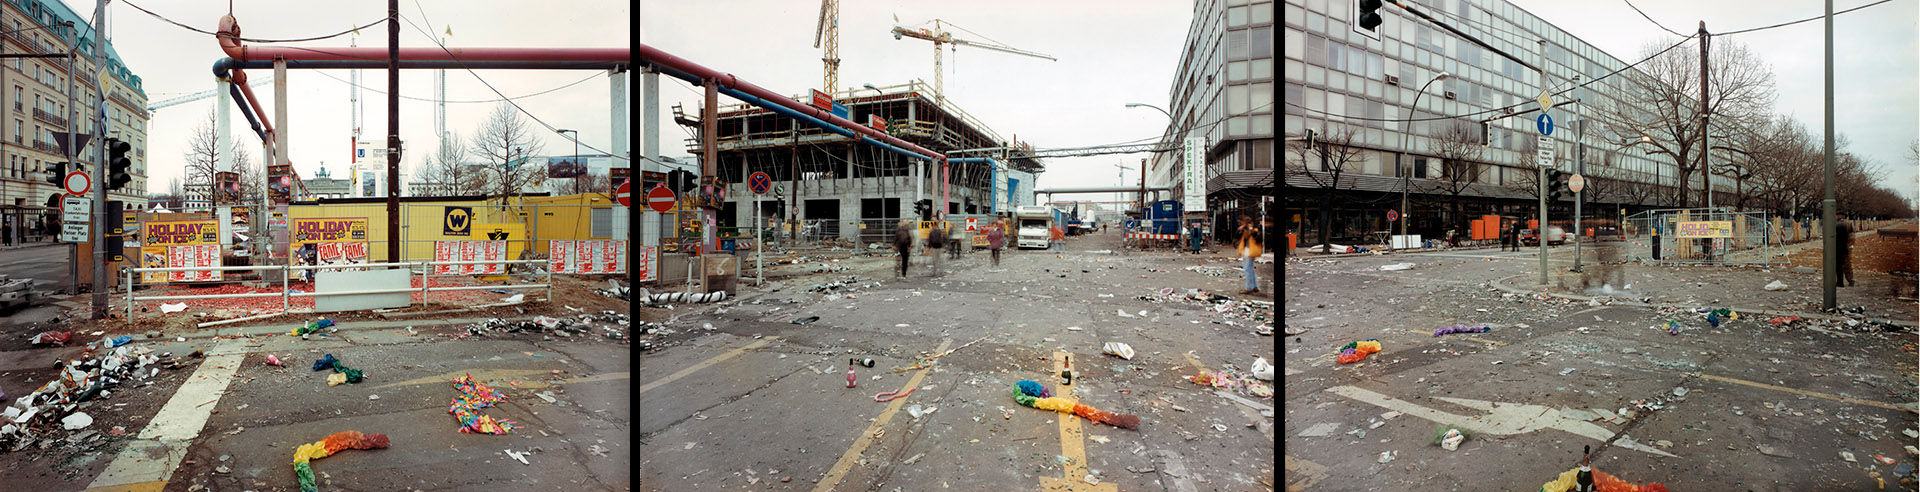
[{"x": 1406, "y": 178}]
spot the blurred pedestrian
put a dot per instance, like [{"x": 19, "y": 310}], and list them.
[
  {"x": 1250, "y": 248},
  {"x": 953, "y": 241},
  {"x": 996, "y": 239},
  {"x": 903, "y": 243},
  {"x": 936, "y": 240},
  {"x": 1843, "y": 231},
  {"x": 1513, "y": 235},
  {"x": 1059, "y": 240}
]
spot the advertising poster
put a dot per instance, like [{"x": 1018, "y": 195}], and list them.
[
  {"x": 647, "y": 255},
  {"x": 445, "y": 251},
  {"x": 583, "y": 254},
  {"x": 469, "y": 251},
  {"x": 1705, "y": 229},
  {"x": 560, "y": 256},
  {"x": 493, "y": 251},
  {"x": 157, "y": 239},
  {"x": 347, "y": 237}
]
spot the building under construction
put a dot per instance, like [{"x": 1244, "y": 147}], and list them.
[{"x": 842, "y": 186}]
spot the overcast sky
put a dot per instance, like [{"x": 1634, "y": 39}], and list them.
[
  {"x": 173, "y": 61},
  {"x": 1110, "y": 54},
  {"x": 1876, "y": 54}
]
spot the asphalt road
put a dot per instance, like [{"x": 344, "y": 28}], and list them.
[
  {"x": 46, "y": 265},
  {"x": 232, "y": 422},
  {"x": 1764, "y": 407},
  {"x": 760, "y": 402}
]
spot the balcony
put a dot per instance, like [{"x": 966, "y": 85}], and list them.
[
  {"x": 43, "y": 115},
  {"x": 48, "y": 147}
]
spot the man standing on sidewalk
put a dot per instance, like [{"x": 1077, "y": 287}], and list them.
[
  {"x": 903, "y": 243},
  {"x": 936, "y": 239},
  {"x": 1249, "y": 246}
]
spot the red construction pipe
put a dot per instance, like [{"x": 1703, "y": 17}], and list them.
[
  {"x": 649, "y": 54},
  {"x": 229, "y": 42},
  {"x": 240, "y": 77}
]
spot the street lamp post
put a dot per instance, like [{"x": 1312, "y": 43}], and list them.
[
  {"x": 1406, "y": 178},
  {"x": 1143, "y": 171}
]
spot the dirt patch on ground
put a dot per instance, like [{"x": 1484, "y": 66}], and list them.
[{"x": 1875, "y": 254}]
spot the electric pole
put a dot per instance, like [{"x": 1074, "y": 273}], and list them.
[
  {"x": 1829, "y": 266},
  {"x": 393, "y": 131}
]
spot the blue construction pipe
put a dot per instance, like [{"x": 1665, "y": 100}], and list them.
[{"x": 993, "y": 173}]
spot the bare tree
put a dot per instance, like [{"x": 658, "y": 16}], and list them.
[
  {"x": 1662, "y": 105},
  {"x": 585, "y": 183},
  {"x": 1457, "y": 144},
  {"x": 1324, "y": 162},
  {"x": 446, "y": 171},
  {"x": 202, "y": 158},
  {"x": 504, "y": 142},
  {"x": 1526, "y": 179}
]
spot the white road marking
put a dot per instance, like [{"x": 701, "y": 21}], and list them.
[
  {"x": 160, "y": 447},
  {"x": 1502, "y": 418}
]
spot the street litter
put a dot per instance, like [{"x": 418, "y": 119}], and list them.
[
  {"x": 473, "y": 397},
  {"x": 1396, "y": 266},
  {"x": 312, "y": 326},
  {"x": 1776, "y": 285},
  {"x": 1566, "y": 482},
  {"x": 1239, "y": 381},
  {"x": 1847, "y": 456},
  {"x": 122, "y": 340},
  {"x": 1566, "y": 371},
  {"x": 892, "y": 395},
  {"x": 1320, "y": 430},
  {"x": 1068, "y": 406},
  {"x": 1784, "y": 320},
  {"x": 274, "y": 361},
  {"x": 926, "y": 362},
  {"x": 1123, "y": 313},
  {"x": 76, "y": 421},
  {"x": 806, "y": 320},
  {"x": 52, "y": 338},
  {"x": 339, "y": 441},
  {"x": 1460, "y": 329},
  {"x": 916, "y": 411},
  {"x": 1118, "y": 349},
  {"x": 518, "y": 456},
  {"x": 173, "y": 308},
  {"x": 1031, "y": 388},
  {"x": 678, "y": 297},
  {"x": 1261, "y": 369},
  {"x": 1386, "y": 456},
  {"x": 1099, "y": 439},
  {"x": 1355, "y": 351},
  {"x": 1452, "y": 439}
]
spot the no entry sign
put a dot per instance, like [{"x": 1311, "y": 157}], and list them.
[
  {"x": 624, "y": 194},
  {"x": 660, "y": 199}
]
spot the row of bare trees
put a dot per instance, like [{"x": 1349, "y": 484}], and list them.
[{"x": 1775, "y": 163}]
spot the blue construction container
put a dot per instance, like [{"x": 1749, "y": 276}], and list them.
[{"x": 1164, "y": 216}]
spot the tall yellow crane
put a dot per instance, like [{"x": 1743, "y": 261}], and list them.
[
  {"x": 829, "y": 28},
  {"x": 939, "y": 37}
]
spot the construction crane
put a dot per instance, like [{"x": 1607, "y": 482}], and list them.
[
  {"x": 829, "y": 28},
  {"x": 199, "y": 95},
  {"x": 940, "y": 36}
]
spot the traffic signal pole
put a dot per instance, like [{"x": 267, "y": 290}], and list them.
[
  {"x": 98, "y": 229},
  {"x": 1540, "y": 231}
]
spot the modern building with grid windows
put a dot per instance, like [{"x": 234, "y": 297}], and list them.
[
  {"x": 1350, "y": 85},
  {"x": 1223, "y": 94}
]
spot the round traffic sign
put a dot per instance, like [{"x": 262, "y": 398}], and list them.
[
  {"x": 1393, "y": 215},
  {"x": 78, "y": 183},
  {"x": 1544, "y": 123},
  {"x": 759, "y": 183},
  {"x": 624, "y": 195},
  {"x": 660, "y": 199},
  {"x": 1576, "y": 183}
]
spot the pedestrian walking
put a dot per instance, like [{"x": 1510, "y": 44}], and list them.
[
  {"x": 1506, "y": 240},
  {"x": 953, "y": 241},
  {"x": 1513, "y": 235},
  {"x": 996, "y": 239},
  {"x": 1250, "y": 248},
  {"x": 936, "y": 240},
  {"x": 903, "y": 243},
  {"x": 1059, "y": 241},
  {"x": 1843, "y": 231}
]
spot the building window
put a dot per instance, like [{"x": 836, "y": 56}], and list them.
[
  {"x": 1420, "y": 167},
  {"x": 1263, "y": 42}
]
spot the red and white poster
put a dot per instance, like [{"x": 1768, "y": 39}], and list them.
[
  {"x": 583, "y": 254},
  {"x": 560, "y": 256},
  {"x": 646, "y": 263},
  {"x": 445, "y": 251},
  {"x": 199, "y": 255},
  {"x": 611, "y": 256},
  {"x": 469, "y": 251},
  {"x": 494, "y": 251}
]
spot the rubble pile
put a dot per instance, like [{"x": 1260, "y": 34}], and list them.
[
  {"x": 850, "y": 283},
  {"x": 1256, "y": 311},
  {"x": 56, "y": 405}
]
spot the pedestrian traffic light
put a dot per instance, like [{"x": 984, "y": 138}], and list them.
[
  {"x": 57, "y": 173},
  {"x": 1369, "y": 14},
  {"x": 118, "y": 165}
]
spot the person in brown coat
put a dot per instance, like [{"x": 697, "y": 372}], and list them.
[
  {"x": 996, "y": 239},
  {"x": 903, "y": 243},
  {"x": 936, "y": 241}
]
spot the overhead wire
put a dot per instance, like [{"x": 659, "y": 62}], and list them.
[
  {"x": 1643, "y": 14},
  {"x": 250, "y": 40},
  {"x": 1789, "y": 23},
  {"x": 496, "y": 90},
  {"x": 377, "y": 91}
]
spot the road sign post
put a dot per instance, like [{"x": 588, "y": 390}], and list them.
[
  {"x": 77, "y": 183},
  {"x": 759, "y": 183}
]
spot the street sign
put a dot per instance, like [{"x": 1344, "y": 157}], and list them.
[
  {"x": 80, "y": 141},
  {"x": 1545, "y": 152},
  {"x": 1393, "y": 215},
  {"x": 1576, "y": 183},
  {"x": 624, "y": 194},
  {"x": 1544, "y": 123},
  {"x": 759, "y": 183},
  {"x": 76, "y": 205},
  {"x": 660, "y": 199},
  {"x": 78, "y": 183},
  {"x": 1546, "y": 101},
  {"x": 74, "y": 232}
]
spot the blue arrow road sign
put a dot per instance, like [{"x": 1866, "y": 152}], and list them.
[{"x": 1545, "y": 123}]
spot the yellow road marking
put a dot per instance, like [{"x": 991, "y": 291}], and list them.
[
  {"x": 1189, "y": 355},
  {"x": 132, "y": 487},
  {"x": 1313, "y": 473},
  {"x": 703, "y": 364},
  {"x": 587, "y": 379},
  {"x": 840, "y": 468},
  {"x": 1073, "y": 440},
  {"x": 1815, "y": 394}
]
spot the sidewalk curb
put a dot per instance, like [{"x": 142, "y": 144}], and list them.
[
  {"x": 270, "y": 329},
  {"x": 1500, "y": 283}
]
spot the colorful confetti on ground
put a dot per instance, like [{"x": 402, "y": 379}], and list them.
[
  {"x": 339, "y": 441},
  {"x": 473, "y": 397}
]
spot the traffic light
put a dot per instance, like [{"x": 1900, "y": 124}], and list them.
[
  {"x": 1556, "y": 180},
  {"x": 118, "y": 165},
  {"x": 57, "y": 173},
  {"x": 1369, "y": 14},
  {"x": 923, "y": 208}
]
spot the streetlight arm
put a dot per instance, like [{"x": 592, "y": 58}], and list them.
[{"x": 1157, "y": 108}]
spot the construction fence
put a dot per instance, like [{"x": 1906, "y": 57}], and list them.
[{"x": 1700, "y": 236}]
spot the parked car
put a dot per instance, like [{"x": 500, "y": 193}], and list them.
[{"x": 1555, "y": 236}]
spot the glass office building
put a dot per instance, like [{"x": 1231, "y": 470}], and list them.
[
  {"x": 1223, "y": 92},
  {"x": 1342, "y": 80}
]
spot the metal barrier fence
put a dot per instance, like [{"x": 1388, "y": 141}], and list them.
[
  {"x": 286, "y": 294},
  {"x": 1699, "y": 236}
]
